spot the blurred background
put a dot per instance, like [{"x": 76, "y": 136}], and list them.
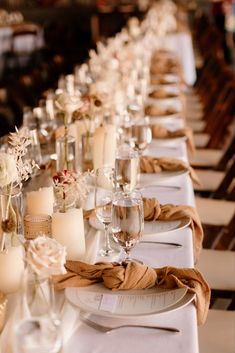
[{"x": 40, "y": 40}]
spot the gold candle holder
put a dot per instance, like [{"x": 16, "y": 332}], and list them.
[{"x": 35, "y": 225}]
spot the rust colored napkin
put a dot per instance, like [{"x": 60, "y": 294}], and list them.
[
  {"x": 159, "y": 131},
  {"x": 153, "y": 211},
  {"x": 132, "y": 275},
  {"x": 150, "y": 164}
]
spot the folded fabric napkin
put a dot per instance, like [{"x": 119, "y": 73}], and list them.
[
  {"x": 133, "y": 275},
  {"x": 153, "y": 211},
  {"x": 159, "y": 111},
  {"x": 150, "y": 164},
  {"x": 159, "y": 131}
]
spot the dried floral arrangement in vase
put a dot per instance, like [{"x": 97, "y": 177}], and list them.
[
  {"x": 15, "y": 168},
  {"x": 71, "y": 189}
]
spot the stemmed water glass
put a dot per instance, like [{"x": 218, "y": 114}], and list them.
[
  {"x": 104, "y": 184},
  {"x": 127, "y": 220},
  {"x": 141, "y": 134},
  {"x": 126, "y": 168}
]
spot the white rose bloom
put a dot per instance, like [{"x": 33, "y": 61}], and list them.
[
  {"x": 8, "y": 170},
  {"x": 68, "y": 103},
  {"x": 46, "y": 257}
]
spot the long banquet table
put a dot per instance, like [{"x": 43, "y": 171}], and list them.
[{"x": 78, "y": 337}]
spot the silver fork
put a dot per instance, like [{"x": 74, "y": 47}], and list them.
[
  {"x": 107, "y": 329},
  {"x": 178, "y": 245}
]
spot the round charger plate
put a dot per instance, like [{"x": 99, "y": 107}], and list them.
[
  {"x": 156, "y": 227},
  {"x": 172, "y": 101},
  {"x": 156, "y": 119},
  {"x": 148, "y": 179},
  {"x": 99, "y": 300},
  {"x": 168, "y": 142},
  {"x": 159, "y": 227}
]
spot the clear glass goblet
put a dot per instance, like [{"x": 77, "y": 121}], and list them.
[
  {"x": 127, "y": 220},
  {"x": 104, "y": 185},
  {"x": 141, "y": 135},
  {"x": 126, "y": 168}
]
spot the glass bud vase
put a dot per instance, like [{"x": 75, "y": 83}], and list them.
[
  {"x": 87, "y": 152},
  {"x": 11, "y": 206},
  {"x": 39, "y": 328},
  {"x": 66, "y": 154},
  {"x": 11, "y": 252}
]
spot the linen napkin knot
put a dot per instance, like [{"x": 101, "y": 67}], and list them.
[
  {"x": 149, "y": 164},
  {"x": 133, "y": 275}
]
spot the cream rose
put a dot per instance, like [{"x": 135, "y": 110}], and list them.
[
  {"x": 8, "y": 170},
  {"x": 46, "y": 257},
  {"x": 68, "y": 103}
]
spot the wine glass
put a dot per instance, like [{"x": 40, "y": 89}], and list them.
[
  {"x": 126, "y": 168},
  {"x": 127, "y": 220},
  {"x": 104, "y": 183},
  {"x": 141, "y": 135}
]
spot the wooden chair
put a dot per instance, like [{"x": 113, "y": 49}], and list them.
[
  {"x": 218, "y": 268},
  {"x": 217, "y": 334},
  {"x": 215, "y": 183},
  {"x": 213, "y": 158}
]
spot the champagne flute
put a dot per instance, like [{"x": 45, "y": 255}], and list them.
[
  {"x": 104, "y": 183},
  {"x": 127, "y": 220},
  {"x": 126, "y": 168},
  {"x": 141, "y": 135}
]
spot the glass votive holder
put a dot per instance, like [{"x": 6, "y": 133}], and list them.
[
  {"x": 66, "y": 154},
  {"x": 35, "y": 225},
  {"x": 37, "y": 335}
]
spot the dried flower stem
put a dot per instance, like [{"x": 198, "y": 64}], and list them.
[
  {"x": 9, "y": 224},
  {"x": 65, "y": 141}
]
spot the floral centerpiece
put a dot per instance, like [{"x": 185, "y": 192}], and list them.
[
  {"x": 91, "y": 105},
  {"x": 70, "y": 188},
  {"x": 14, "y": 169},
  {"x": 45, "y": 258}
]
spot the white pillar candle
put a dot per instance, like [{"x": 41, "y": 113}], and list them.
[
  {"x": 11, "y": 269},
  {"x": 68, "y": 230},
  {"x": 41, "y": 201},
  {"x": 104, "y": 147}
]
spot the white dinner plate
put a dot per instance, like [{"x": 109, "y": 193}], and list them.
[
  {"x": 159, "y": 227},
  {"x": 157, "y": 119},
  {"x": 148, "y": 179},
  {"x": 168, "y": 142},
  {"x": 168, "y": 101},
  {"x": 155, "y": 227},
  {"x": 99, "y": 300}
]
